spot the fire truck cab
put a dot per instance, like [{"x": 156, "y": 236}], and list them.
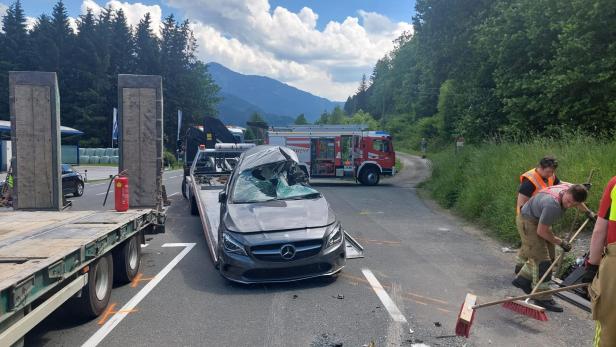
[{"x": 341, "y": 151}]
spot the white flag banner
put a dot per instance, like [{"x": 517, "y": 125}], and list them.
[
  {"x": 179, "y": 123},
  {"x": 114, "y": 133}
]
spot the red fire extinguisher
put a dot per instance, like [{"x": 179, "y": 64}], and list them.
[
  {"x": 121, "y": 193},
  {"x": 120, "y": 181}
]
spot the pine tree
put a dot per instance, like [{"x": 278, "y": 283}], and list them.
[
  {"x": 146, "y": 48},
  {"x": 349, "y": 108},
  {"x": 15, "y": 53},
  {"x": 63, "y": 37},
  {"x": 44, "y": 49},
  {"x": 361, "y": 96},
  {"x": 122, "y": 47},
  {"x": 15, "y": 40},
  {"x": 301, "y": 120},
  {"x": 89, "y": 85}
]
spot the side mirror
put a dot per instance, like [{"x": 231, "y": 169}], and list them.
[{"x": 222, "y": 197}]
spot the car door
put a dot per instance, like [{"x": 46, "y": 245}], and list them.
[{"x": 68, "y": 182}]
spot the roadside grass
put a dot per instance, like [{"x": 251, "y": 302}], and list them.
[
  {"x": 399, "y": 166},
  {"x": 480, "y": 182}
]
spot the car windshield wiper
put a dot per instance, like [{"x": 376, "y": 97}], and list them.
[
  {"x": 252, "y": 201},
  {"x": 305, "y": 196}
]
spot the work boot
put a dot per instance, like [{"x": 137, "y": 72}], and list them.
[
  {"x": 523, "y": 283},
  {"x": 517, "y": 269},
  {"x": 549, "y": 305}
]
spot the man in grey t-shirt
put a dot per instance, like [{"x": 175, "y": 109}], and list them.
[{"x": 538, "y": 214}]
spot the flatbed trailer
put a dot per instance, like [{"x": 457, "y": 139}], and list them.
[{"x": 47, "y": 258}]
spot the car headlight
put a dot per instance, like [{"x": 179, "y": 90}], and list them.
[
  {"x": 231, "y": 245},
  {"x": 335, "y": 236}
]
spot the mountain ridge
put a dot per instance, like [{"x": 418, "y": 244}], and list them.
[{"x": 276, "y": 101}]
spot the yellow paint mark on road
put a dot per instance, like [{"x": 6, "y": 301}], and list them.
[
  {"x": 106, "y": 314},
  {"x": 110, "y": 312},
  {"x": 444, "y": 310},
  {"x": 381, "y": 242},
  {"x": 409, "y": 296},
  {"x": 139, "y": 278},
  {"x": 429, "y": 298}
]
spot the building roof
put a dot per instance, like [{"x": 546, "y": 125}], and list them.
[{"x": 5, "y": 127}]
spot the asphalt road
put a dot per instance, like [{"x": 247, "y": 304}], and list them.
[
  {"x": 94, "y": 193},
  {"x": 425, "y": 260}
]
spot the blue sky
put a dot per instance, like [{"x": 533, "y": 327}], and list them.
[
  {"x": 321, "y": 46},
  {"x": 328, "y": 10}
]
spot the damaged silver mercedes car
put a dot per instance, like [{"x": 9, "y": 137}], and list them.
[{"x": 273, "y": 226}]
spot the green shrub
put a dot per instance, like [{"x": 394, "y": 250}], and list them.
[
  {"x": 480, "y": 182},
  {"x": 169, "y": 159}
]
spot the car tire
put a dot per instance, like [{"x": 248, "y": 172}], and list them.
[
  {"x": 184, "y": 188},
  {"x": 95, "y": 295},
  {"x": 78, "y": 189},
  {"x": 194, "y": 210},
  {"x": 127, "y": 258},
  {"x": 370, "y": 176}
]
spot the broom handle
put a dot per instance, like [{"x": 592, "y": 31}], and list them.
[
  {"x": 545, "y": 274},
  {"x": 528, "y": 296}
]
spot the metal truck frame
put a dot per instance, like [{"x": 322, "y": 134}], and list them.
[{"x": 47, "y": 258}]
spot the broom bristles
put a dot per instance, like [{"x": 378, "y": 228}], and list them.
[
  {"x": 526, "y": 309},
  {"x": 464, "y": 323}
]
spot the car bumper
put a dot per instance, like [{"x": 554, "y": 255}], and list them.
[{"x": 247, "y": 269}]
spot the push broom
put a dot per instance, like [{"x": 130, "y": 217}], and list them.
[
  {"x": 467, "y": 312},
  {"x": 535, "y": 311}
]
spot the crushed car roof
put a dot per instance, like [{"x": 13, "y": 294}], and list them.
[{"x": 265, "y": 154}]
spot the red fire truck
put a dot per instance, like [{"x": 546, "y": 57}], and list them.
[{"x": 344, "y": 151}]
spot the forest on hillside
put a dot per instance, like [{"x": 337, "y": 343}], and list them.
[
  {"x": 88, "y": 60},
  {"x": 494, "y": 69}
]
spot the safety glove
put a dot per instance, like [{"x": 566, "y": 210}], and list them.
[
  {"x": 590, "y": 272},
  {"x": 565, "y": 245}
]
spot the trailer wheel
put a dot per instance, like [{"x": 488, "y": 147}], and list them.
[
  {"x": 184, "y": 188},
  {"x": 369, "y": 176},
  {"x": 194, "y": 210},
  {"x": 127, "y": 258},
  {"x": 95, "y": 295}
]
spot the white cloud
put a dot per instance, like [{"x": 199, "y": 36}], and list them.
[
  {"x": 30, "y": 22},
  {"x": 134, "y": 12},
  {"x": 3, "y": 9},
  {"x": 250, "y": 37}
]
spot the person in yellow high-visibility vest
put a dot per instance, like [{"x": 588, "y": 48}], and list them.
[
  {"x": 601, "y": 269},
  {"x": 531, "y": 182}
]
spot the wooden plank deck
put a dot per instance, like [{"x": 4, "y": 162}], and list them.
[{"x": 31, "y": 241}]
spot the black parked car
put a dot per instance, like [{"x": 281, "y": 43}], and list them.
[
  {"x": 273, "y": 225},
  {"x": 72, "y": 181}
]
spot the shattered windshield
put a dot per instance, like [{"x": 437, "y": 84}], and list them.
[{"x": 272, "y": 182}]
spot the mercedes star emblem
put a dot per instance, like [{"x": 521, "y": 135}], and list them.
[{"x": 287, "y": 252}]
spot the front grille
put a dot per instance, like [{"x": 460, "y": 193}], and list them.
[
  {"x": 287, "y": 273},
  {"x": 271, "y": 252}
]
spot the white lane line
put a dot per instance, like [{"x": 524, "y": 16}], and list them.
[
  {"x": 105, "y": 192},
  {"x": 176, "y": 193},
  {"x": 97, "y": 184},
  {"x": 101, "y": 333},
  {"x": 145, "y": 245},
  {"x": 389, "y": 304}
]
